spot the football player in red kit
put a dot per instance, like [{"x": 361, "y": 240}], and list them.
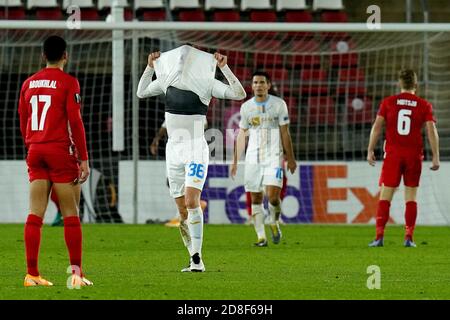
[
  {"x": 52, "y": 128},
  {"x": 403, "y": 115}
]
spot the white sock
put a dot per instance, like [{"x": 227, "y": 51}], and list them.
[
  {"x": 274, "y": 211},
  {"x": 185, "y": 235},
  {"x": 195, "y": 225},
  {"x": 258, "y": 218}
]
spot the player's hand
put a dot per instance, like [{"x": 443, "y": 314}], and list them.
[
  {"x": 152, "y": 57},
  {"x": 221, "y": 59},
  {"x": 233, "y": 170},
  {"x": 154, "y": 146},
  {"x": 371, "y": 158},
  {"x": 84, "y": 172},
  {"x": 292, "y": 165},
  {"x": 435, "y": 164}
]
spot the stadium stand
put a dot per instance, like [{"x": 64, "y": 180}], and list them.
[{"x": 12, "y": 10}]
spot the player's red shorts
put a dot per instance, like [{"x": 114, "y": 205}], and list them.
[
  {"x": 396, "y": 165},
  {"x": 59, "y": 166}
]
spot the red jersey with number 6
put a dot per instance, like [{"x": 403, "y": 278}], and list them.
[
  {"x": 405, "y": 115},
  {"x": 50, "y": 113}
]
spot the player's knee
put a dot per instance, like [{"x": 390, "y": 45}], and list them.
[
  {"x": 192, "y": 203},
  {"x": 274, "y": 200}
]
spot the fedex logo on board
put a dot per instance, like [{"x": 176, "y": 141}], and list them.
[{"x": 311, "y": 191}]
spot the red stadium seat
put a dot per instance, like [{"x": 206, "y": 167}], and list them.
[
  {"x": 89, "y": 14},
  {"x": 342, "y": 55},
  {"x": 334, "y": 17},
  {"x": 153, "y": 15},
  {"x": 49, "y": 14},
  {"x": 262, "y": 57},
  {"x": 226, "y": 16},
  {"x": 263, "y": 16},
  {"x": 359, "y": 110},
  {"x": 304, "y": 60},
  {"x": 191, "y": 15},
  {"x": 278, "y": 74},
  {"x": 313, "y": 82},
  {"x": 234, "y": 57},
  {"x": 243, "y": 73},
  {"x": 351, "y": 82},
  {"x": 12, "y": 13},
  {"x": 293, "y": 108},
  {"x": 321, "y": 111}
]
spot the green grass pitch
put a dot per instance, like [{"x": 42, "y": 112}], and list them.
[{"x": 311, "y": 262}]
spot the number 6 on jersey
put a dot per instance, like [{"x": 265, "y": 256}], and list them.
[{"x": 404, "y": 122}]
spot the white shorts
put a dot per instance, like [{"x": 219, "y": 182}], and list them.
[
  {"x": 257, "y": 176},
  {"x": 186, "y": 165}
]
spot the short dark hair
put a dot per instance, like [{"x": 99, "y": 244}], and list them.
[
  {"x": 54, "y": 48},
  {"x": 262, "y": 74},
  {"x": 408, "y": 79}
]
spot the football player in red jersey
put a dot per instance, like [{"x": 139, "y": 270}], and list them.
[
  {"x": 52, "y": 128},
  {"x": 403, "y": 115}
]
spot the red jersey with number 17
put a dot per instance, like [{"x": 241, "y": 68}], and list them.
[
  {"x": 405, "y": 114},
  {"x": 50, "y": 112}
]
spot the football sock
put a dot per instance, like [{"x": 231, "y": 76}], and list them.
[
  {"x": 32, "y": 236},
  {"x": 258, "y": 217},
  {"x": 195, "y": 225},
  {"x": 382, "y": 217},
  {"x": 410, "y": 219},
  {"x": 248, "y": 203},
  {"x": 274, "y": 212},
  {"x": 73, "y": 237},
  {"x": 185, "y": 236}
]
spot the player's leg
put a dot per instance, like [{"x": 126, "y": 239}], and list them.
[
  {"x": 411, "y": 180},
  {"x": 273, "y": 181},
  {"x": 183, "y": 226},
  {"x": 273, "y": 193},
  {"x": 410, "y": 215},
  {"x": 63, "y": 171},
  {"x": 176, "y": 173},
  {"x": 253, "y": 183},
  {"x": 258, "y": 218},
  {"x": 391, "y": 173},
  {"x": 39, "y": 191},
  {"x": 195, "y": 224},
  {"x": 58, "y": 221}
]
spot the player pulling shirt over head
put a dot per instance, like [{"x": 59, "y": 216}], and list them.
[{"x": 186, "y": 76}]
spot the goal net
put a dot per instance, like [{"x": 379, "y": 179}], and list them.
[{"x": 332, "y": 82}]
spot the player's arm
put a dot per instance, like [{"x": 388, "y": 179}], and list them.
[
  {"x": 375, "y": 134},
  {"x": 147, "y": 87},
  {"x": 233, "y": 91},
  {"x": 433, "y": 138},
  {"x": 73, "y": 108},
  {"x": 162, "y": 132},
  {"x": 23, "y": 115},
  {"x": 286, "y": 140},
  {"x": 239, "y": 149}
]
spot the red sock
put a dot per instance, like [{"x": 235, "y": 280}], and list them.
[
  {"x": 410, "y": 219},
  {"x": 248, "y": 203},
  {"x": 32, "y": 235},
  {"x": 382, "y": 216},
  {"x": 73, "y": 237}
]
